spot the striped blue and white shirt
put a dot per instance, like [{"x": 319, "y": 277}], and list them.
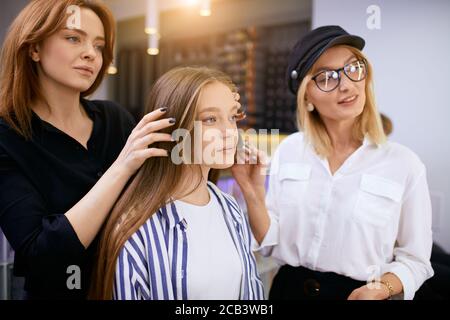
[{"x": 152, "y": 264}]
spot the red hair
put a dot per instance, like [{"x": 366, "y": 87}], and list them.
[{"x": 19, "y": 83}]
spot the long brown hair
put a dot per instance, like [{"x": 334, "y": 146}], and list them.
[
  {"x": 158, "y": 178},
  {"x": 19, "y": 83}
]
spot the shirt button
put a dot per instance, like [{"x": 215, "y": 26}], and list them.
[{"x": 99, "y": 174}]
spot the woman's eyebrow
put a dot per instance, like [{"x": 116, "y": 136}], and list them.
[
  {"x": 83, "y": 33},
  {"x": 234, "y": 107},
  {"x": 210, "y": 109}
]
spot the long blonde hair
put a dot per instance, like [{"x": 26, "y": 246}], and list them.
[
  {"x": 368, "y": 123},
  {"x": 19, "y": 82},
  {"x": 158, "y": 178}
]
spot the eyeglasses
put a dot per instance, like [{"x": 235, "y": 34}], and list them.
[{"x": 328, "y": 80}]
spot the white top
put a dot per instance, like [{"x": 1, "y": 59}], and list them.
[
  {"x": 371, "y": 217},
  {"x": 214, "y": 268},
  {"x": 153, "y": 263}
]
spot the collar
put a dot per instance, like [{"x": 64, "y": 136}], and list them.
[
  {"x": 90, "y": 107},
  {"x": 174, "y": 216},
  {"x": 368, "y": 142}
]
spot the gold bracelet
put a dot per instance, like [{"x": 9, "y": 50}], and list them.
[{"x": 389, "y": 286}]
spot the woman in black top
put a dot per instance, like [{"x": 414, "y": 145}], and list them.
[{"x": 63, "y": 159}]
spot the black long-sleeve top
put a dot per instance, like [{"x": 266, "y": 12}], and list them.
[{"x": 40, "y": 180}]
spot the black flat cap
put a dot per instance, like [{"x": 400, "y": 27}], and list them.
[{"x": 311, "y": 46}]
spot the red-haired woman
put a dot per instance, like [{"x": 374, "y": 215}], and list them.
[{"x": 64, "y": 160}]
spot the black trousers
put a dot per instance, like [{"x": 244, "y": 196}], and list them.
[{"x": 299, "y": 283}]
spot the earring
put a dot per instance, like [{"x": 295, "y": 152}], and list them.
[{"x": 310, "y": 107}]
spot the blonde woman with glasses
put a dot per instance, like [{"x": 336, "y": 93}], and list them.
[{"x": 348, "y": 213}]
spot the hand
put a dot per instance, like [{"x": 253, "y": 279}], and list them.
[
  {"x": 136, "y": 149},
  {"x": 377, "y": 291},
  {"x": 250, "y": 170},
  {"x": 250, "y": 174}
]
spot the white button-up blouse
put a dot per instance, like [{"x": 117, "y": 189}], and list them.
[{"x": 371, "y": 217}]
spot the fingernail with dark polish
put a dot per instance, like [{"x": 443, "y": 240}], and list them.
[
  {"x": 172, "y": 120},
  {"x": 163, "y": 109}
]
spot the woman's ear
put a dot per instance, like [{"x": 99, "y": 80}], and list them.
[
  {"x": 306, "y": 99},
  {"x": 34, "y": 52}
]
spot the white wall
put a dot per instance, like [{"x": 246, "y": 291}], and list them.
[{"x": 411, "y": 59}]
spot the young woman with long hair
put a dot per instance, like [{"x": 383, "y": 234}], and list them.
[{"x": 172, "y": 234}]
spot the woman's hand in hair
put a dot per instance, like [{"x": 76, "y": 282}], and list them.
[
  {"x": 89, "y": 214},
  {"x": 138, "y": 147},
  {"x": 250, "y": 173},
  {"x": 250, "y": 169}
]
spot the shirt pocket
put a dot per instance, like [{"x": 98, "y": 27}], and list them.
[
  {"x": 294, "y": 179},
  {"x": 378, "y": 200}
]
